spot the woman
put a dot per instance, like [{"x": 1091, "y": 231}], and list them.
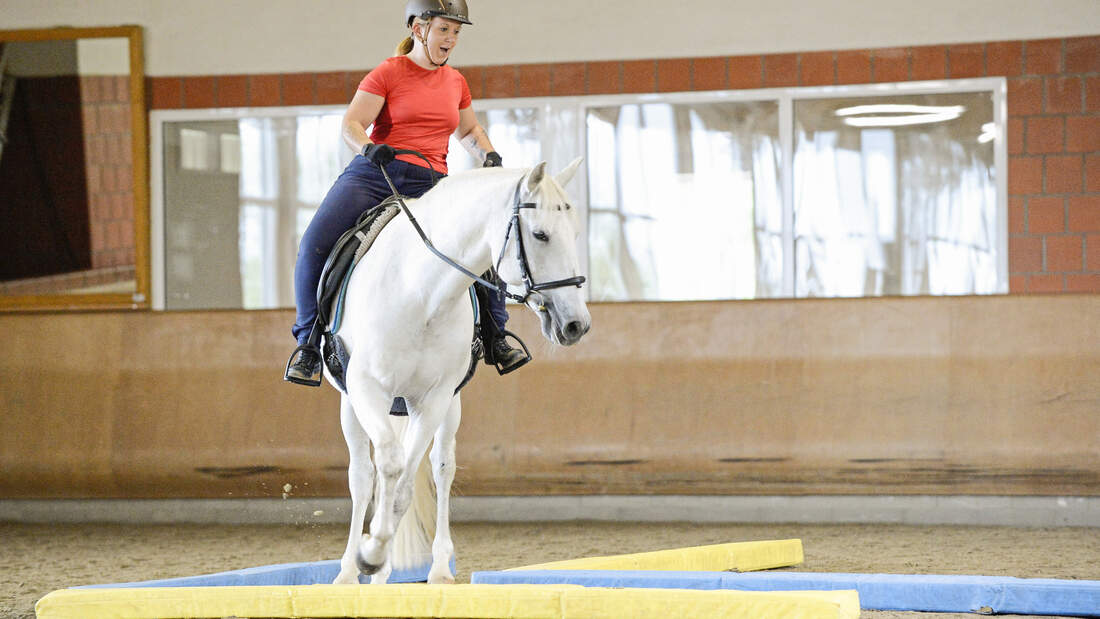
[{"x": 414, "y": 102}]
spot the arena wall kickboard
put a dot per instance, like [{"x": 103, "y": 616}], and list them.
[
  {"x": 486, "y": 601},
  {"x": 738, "y": 556}
]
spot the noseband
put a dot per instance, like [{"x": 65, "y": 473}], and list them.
[{"x": 529, "y": 283}]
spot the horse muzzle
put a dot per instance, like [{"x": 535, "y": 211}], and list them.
[{"x": 562, "y": 325}]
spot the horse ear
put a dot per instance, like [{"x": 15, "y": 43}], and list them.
[
  {"x": 534, "y": 177},
  {"x": 566, "y": 175}
]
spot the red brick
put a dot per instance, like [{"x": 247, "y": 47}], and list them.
[
  {"x": 1046, "y": 215},
  {"x": 331, "y": 87},
  {"x": 122, "y": 84},
  {"x": 1017, "y": 284},
  {"x": 1084, "y": 213},
  {"x": 1004, "y": 58},
  {"x": 1025, "y": 254},
  {"x": 1063, "y": 173},
  {"x": 232, "y": 90},
  {"x": 534, "y": 80},
  {"x": 780, "y": 70},
  {"x": 1082, "y": 134},
  {"x": 1017, "y": 215},
  {"x": 1045, "y": 134},
  {"x": 198, "y": 92},
  {"x": 473, "y": 80},
  {"x": 89, "y": 89},
  {"x": 890, "y": 65},
  {"x": 1025, "y": 175},
  {"x": 298, "y": 89},
  {"x": 929, "y": 62},
  {"x": 501, "y": 82},
  {"x": 966, "y": 60},
  {"x": 1092, "y": 172},
  {"x": 568, "y": 78},
  {"x": 1015, "y": 132},
  {"x": 746, "y": 71},
  {"x": 1092, "y": 94},
  {"x": 165, "y": 93},
  {"x": 1092, "y": 252},
  {"x": 817, "y": 69},
  {"x": 1025, "y": 96},
  {"x": 354, "y": 78},
  {"x": 853, "y": 67},
  {"x": 1045, "y": 283},
  {"x": 1083, "y": 282},
  {"x": 674, "y": 75},
  {"x": 1063, "y": 95},
  {"x": 639, "y": 76},
  {"x": 1043, "y": 57},
  {"x": 605, "y": 77},
  {"x": 710, "y": 74},
  {"x": 1064, "y": 253},
  {"x": 264, "y": 90},
  {"x": 1083, "y": 55}
]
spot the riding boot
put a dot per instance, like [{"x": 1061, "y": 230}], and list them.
[
  {"x": 498, "y": 352},
  {"x": 304, "y": 366}
]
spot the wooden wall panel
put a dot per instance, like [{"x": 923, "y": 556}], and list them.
[{"x": 970, "y": 395}]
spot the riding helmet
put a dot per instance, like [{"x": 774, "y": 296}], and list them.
[{"x": 427, "y": 9}]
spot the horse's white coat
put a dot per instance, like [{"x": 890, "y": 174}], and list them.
[{"x": 408, "y": 327}]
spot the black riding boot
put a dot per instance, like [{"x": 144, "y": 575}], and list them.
[
  {"x": 304, "y": 367},
  {"x": 507, "y": 358}
]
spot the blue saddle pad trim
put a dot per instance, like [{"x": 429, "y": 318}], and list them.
[
  {"x": 315, "y": 573},
  {"x": 923, "y": 593}
]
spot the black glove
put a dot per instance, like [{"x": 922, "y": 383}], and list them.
[
  {"x": 492, "y": 160},
  {"x": 378, "y": 154}
]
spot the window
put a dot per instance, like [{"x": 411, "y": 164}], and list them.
[{"x": 890, "y": 189}]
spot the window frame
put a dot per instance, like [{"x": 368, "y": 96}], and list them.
[{"x": 578, "y": 107}]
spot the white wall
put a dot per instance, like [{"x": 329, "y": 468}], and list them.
[{"x": 196, "y": 37}]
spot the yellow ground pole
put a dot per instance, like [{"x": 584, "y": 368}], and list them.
[
  {"x": 417, "y": 600},
  {"x": 738, "y": 556}
]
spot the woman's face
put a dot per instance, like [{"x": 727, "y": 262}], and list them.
[{"x": 441, "y": 38}]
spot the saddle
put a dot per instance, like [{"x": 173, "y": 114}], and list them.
[{"x": 332, "y": 290}]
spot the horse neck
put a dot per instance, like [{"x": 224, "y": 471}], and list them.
[{"x": 460, "y": 219}]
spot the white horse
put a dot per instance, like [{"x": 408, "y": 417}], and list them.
[{"x": 408, "y": 330}]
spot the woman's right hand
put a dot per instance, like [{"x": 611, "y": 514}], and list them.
[{"x": 378, "y": 154}]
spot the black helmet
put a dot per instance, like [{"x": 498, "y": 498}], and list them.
[{"x": 427, "y": 9}]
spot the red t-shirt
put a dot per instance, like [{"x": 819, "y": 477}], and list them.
[{"x": 421, "y": 109}]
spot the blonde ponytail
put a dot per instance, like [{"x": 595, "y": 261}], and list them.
[{"x": 404, "y": 47}]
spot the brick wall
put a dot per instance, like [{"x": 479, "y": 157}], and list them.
[
  {"x": 108, "y": 154},
  {"x": 1053, "y": 125}
]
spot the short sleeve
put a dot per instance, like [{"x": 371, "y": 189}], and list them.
[
  {"x": 377, "y": 81},
  {"x": 464, "y": 99}
]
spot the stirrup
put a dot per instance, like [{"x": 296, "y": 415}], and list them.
[
  {"x": 504, "y": 333},
  {"x": 309, "y": 382}
]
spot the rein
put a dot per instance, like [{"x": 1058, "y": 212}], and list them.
[{"x": 529, "y": 283}]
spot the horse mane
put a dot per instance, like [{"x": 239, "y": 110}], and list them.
[{"x": 551, "y": 197}]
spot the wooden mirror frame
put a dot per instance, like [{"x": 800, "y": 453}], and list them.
[{"x": 139, "y": 299}]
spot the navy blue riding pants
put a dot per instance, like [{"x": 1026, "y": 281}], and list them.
[{"x": 360, "y": 187}]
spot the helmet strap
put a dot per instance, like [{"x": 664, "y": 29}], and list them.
[{"x": 428, "y": 50}]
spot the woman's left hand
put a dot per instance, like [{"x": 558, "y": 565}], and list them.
[{"x": 492, "y": 160}]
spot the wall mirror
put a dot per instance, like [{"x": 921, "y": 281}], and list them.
[{"x": 73, "y": 169}]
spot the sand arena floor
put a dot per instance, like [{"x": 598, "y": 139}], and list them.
[{"x": 40, "y": 558}]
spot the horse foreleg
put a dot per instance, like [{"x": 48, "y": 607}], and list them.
[
  {"x": 443, "y": 471},
  {"x": 361, "y": 485}
]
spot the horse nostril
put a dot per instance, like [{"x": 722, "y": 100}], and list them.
[{"x": 574, "y": 329}]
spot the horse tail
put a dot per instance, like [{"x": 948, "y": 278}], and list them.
[{"x": 412, "y": 542}]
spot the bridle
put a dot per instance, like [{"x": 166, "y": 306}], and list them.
[{"x": 529, "y": 284}]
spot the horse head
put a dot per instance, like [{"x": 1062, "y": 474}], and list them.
[{"x": 548, "y": 226}]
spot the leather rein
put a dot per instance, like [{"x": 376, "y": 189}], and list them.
[{"x": 529, "y": 283}]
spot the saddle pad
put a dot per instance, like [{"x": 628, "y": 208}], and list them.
[{"x": 362, "y": 238}]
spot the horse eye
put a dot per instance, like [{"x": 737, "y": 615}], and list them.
[{"x": 541, "y": 236}]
